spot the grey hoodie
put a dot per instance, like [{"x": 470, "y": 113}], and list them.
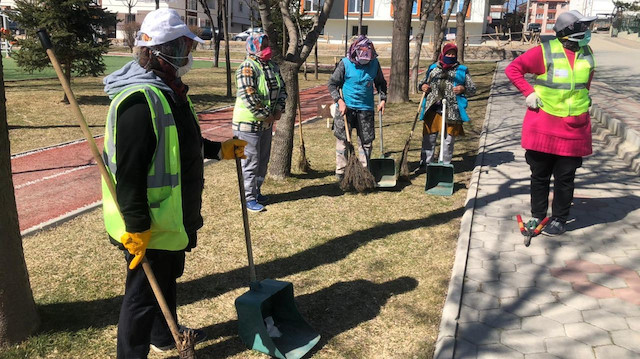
[{"x": 131, "y": 74}]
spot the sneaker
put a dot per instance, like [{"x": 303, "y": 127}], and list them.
[
  {"x": 555, "y": 227},
  {"x": 532, "y": 224},
  {"x": 262, "y": 199},
  {"x": 254, "y": 206},
  {"x": 200, "y": 336}
]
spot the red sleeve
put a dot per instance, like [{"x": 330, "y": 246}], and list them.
[{"x": 531, "y": 62}]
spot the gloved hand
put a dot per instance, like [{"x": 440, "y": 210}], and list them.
[
  {"x": 233, "y": 148},
  {"x": 533, "y": 101},
  {"x": 136, "y": 244}
]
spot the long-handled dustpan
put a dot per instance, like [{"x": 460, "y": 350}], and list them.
[
  {"x": 383, "y": 169},
  {"x": 268, "y": 319},
  {"x": 440, "y": 175}
]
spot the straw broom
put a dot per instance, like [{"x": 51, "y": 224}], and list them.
[
  {"x": 356, "y": 177},
  {"x": 404, "y": 166},
  {"x": 184, "y": 342},
  {"x": 303, "y": 163}
]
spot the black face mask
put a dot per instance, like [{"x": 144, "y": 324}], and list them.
[{"x": 570, "y": 45}]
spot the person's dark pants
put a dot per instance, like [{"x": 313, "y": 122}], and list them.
[
  {"x": 141, "y": 321},
  {"x": 563, "y": 169}
]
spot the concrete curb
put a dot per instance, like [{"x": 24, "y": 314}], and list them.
[
  {"x": 446, "y": 342},
  {"x": 628, "y": 148}
]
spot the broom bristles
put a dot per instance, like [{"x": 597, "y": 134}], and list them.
[
  {"x": 187, "y": 343},
  {"x": 356, "y": 177},
  {"x": 303, "y": 163},
  {"x": 404, "y": 165}
]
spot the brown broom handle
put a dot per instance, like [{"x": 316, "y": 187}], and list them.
[
  {"x": 245, "y": 219},
  {"x": 46, "y": 43},
  {"x": 344, "y": 118},
  {"x": 415, "y": 120},
  {"x": 300, "y": 112}
]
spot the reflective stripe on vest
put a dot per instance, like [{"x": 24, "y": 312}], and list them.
[
  {"x": 562, "y": 89},
  {"x": 163, "y": 178},
  {"x": 240, "y": 112}
]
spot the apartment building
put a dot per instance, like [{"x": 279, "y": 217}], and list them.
[
  {"x": 545, "y": 13},
  {"x": 377, "y": 20}
]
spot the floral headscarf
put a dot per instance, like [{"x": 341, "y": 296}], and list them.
[
  {"x": 254, "y": 43},
  {"x": 362, "y": 47},
  {"x": 447, "y": 47}
]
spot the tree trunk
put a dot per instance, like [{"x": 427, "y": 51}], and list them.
[
  {"x": 360, "y": 18},
  {"x": 440, "y": 25},
  {"x": 226, "y": 47},
  {"x": 18, "y": 316},
  {"x": 415, "y": 65},
  {"x": 315, "y": 54},
  {"x": 280, "y": 164},
  {"x": 207, "y": 12},
  {"x": 461, "y": 35},
  {"x": 157, "y": 4},
  {"x": 399, "y": 79},
  {"x": 216, "y": 48}
]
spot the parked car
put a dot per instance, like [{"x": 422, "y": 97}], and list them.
[
  {"x": 534, "y": 27},
  {"x": 242, "y": 36},
  {"x": 207, "y": 34}
]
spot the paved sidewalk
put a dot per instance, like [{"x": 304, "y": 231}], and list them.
[{"x": 572, "y": 296}]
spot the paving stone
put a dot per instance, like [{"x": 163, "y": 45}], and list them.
[
  {"x": 470, "y": 285},
  {"x": 596, "y": 258},
  {"x": 536, "y": 295},
  {"x": 522, "y": 341},
  {"x": 517, "y": 280},
  {"x": 481, "y": 275},
  {"x": 540, "y": 356},
  {"x": 483, "y": 253},
  {"x": 619, "y": 307},
  {"x": 478, "y": 333},
  {"x": 464, "y": 349},
  {"x": 473, "y": 263},
  {"x": 629, "y": 339},
  {"x": 532, "y": 249},
  {"x": 468, "y": 314},
  {"x": 497, "y": 351},
  {"x": 564, "y": 347},
  {"x": 532, "y": 269},
  {"x": 615, "y": 352},
  {"x": 578, "y": 301},
  {"x": 480, "y": 300},
  {"x": 543, "y": 327},
  {"x": 546, "y": 260},
  {"x": 519, "y": 307},
  {"x": 561, "y": 313},
  {"x": 498, "y": 265},
  {"x": 515, "y": 257},
  {"x": 553, "y": 284},
  {"x": 634, "y": 323},
  {"x": 604, "y": 319},
  {"x": 587, "y": 334},
  {"x": 499, "y": 289},
  {"x": 607, "y": 280},
  {"x": 498, "y": 318}
]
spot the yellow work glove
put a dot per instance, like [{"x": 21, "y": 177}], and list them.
[
  {"x": 136, "y": 244},
  {"x": 233, "y": 148}
]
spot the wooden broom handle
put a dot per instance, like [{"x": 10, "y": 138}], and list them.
[
  {"x": 46, "y": 43},
  {"x": 300, "y": 113}
]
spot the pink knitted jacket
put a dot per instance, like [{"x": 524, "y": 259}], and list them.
[{"x": 543, "y": 132}]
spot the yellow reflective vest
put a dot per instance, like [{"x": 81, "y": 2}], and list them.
[
  {"x": 240, "y": 112},
  {"x": 563, "y": 90},
  {"x": 163, "y": 178}
]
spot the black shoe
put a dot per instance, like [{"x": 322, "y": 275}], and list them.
[
  {"x": 555, "y": 227},
  {"x": 200, "y": 336}
]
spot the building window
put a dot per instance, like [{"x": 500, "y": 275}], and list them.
[
  {"x": 192, "y": 5},
  {"x": 354, "y": 30},
  {"x": 552, "y": 6},
  {"x": 457, "y": 7},
  {"x": 414, "y": 8},
  {"x": 549, "y": 26},
  {"x": 129, "y": 18},
  {"x": 240, "y": 7},
  {"x": 551, "y": 16},
  {"x": 539, "y": 16},
  {"x": 354, "y": 6},
  {"x": 192, "y": 21},
  {"x": 313, "y": 5}
]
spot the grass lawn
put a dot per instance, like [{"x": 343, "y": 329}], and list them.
[{"x": 370, "y": 272}]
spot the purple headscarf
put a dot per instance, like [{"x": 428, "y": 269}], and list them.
[{"x": 363, "y": 48}]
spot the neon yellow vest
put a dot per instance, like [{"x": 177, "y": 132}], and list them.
[
  {"x": 163, "y": 179},
  {"x": 240, "y": 112},
  {"x": 563, "y": 90}
]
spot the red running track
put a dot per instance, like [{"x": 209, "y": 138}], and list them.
[{"x": 53, "y": 184}]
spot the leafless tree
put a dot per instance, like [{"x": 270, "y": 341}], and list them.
[
  {"x": 461, "y": 16},
  {"x": 18, "y": 316},
  {"x": 130, "y": 4},
  {"x": 440, "y": 25},
  {"x": 399, "y": 84},
  {"x": 157, "y": 4},
  {"x": 296, "y": 53},
  {"x": 214, "y": 32},
  {"x": 130, "y": 30},
  {"x": 227, "y": 58},
  {"x": 426, "y": 8},
  {"x": 360, "y": 17}
]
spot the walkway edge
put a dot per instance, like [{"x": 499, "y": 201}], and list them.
[
  {"x": 445, "y": 344},
  {"x": 629, "y": 148}
]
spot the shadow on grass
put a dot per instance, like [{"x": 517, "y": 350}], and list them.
[
  {"x": 312, "y": 174},
  {"x": 74, "y": 316},
  {"x": 330, "y": 311},
  {"x": 96, "y": 100}
]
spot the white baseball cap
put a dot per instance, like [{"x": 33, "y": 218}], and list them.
[{"x": 161, "y": 26}]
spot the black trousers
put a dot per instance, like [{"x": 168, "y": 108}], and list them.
[
  {"x": 563, "y": 169},
  {"x": 141, "y": 321}
]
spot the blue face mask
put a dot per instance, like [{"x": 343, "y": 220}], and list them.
[
  {"x": 585, "y": 40},
  {"x": 449, "y": 60}
]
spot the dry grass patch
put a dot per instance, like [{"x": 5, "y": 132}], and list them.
[{"x": 370, "y": 272}]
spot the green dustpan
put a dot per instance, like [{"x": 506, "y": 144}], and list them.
[
  {"x": 268, "y": 319},
  {"x": 440, "y": 175},
  {"x": 383, "y": 169}
]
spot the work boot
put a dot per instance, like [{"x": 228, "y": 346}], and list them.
[
  {"x": 555, "y": 227},
  {"x": 200, "y": 336}
]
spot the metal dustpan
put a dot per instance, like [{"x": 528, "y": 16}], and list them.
[
  {"x": 383, "y": 169},
  {"x": 440, "y": 175},
  {"x": 268, "y": 319}
]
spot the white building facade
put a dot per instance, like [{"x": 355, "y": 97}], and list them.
[
  {"x": 377, "y": 20},
  {"x": 600, "y": 8}
]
